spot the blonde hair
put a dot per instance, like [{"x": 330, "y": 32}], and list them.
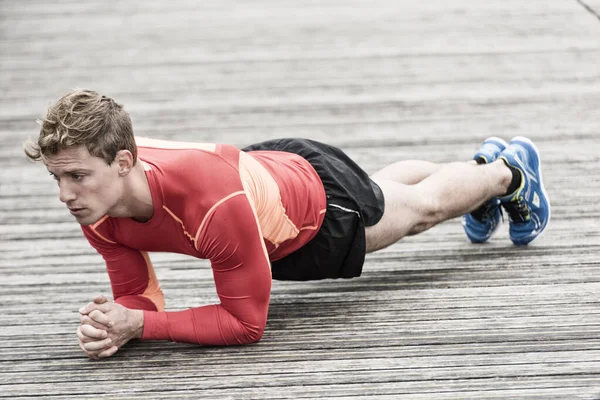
[{"x": 83, "y": 117}]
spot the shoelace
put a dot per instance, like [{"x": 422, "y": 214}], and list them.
[
  {"x": 486, "y": 211},
  {"x": 518, "y": 210}
]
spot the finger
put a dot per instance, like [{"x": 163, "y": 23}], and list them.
[
  {"x": 94, "y": 333},
  {"x": 80, "y": 335},
  {"x": 86, "y": 320},
  {"x": 98, "y": 345},
  {"x": 108, "y": 352},
  {"x": 101, "y": 318},
  {"x": 85, "y": 339},
  {"x": 92, "y": 355},
  {"x": 82, "y": 338},
  {"x": 88, "y": 308},
  {"x": 100, "y": 299}
]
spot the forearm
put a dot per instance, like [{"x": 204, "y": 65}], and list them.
[{"x": 208, "y": 325}]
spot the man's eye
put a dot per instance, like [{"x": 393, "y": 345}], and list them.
[{"x": 77, "y": 177}]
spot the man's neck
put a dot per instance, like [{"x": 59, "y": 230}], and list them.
[{"x": 137, "y": 199}]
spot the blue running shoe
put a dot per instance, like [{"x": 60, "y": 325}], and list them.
[
  {"x": 528, "y": 207},
  {"x": 490, "y": 149},
  {"x": 481, "y": 224}
]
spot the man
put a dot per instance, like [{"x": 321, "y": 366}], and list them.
[{"x": 290, "y": 209}]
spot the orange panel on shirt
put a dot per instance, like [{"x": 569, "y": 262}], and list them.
[
  {"x": 263, "y": 191},
  {"x": 153, "y": 291}
]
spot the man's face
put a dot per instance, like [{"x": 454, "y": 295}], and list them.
[{"x": 88, "y": 186}]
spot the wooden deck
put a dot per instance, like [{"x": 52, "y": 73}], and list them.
[{"x": 432, "y": 317}]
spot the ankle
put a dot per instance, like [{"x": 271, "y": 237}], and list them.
[
  {"x": 503, "y": 177},
  {"x": 514, "y": 179}
]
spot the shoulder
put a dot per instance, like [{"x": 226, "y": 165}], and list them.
[{"x": 181, "y": 155}]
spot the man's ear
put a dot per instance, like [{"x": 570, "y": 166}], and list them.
[{"x": 124, "y": 160}]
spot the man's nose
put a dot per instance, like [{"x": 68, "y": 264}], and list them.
[{"x": 66, "y": 194}]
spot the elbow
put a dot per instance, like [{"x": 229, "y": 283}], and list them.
[
  {"x": 253, "y": 329},
  {"x": 253, "y": 333},
  {"x": 254, "y": 326},
  {"x": 254, "y": 338},
  {"x": 258, "y": 335}
]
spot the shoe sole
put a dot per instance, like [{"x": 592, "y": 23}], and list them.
[
  {"x": 523, "y": 139},
  {"x": 486, "y": 240}
]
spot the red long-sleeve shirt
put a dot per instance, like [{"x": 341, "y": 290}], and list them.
[{"x": 239, "y": 210}]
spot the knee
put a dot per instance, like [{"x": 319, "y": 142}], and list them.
[
  {"x": 430, "y": 208},
  {"x": 435, "y": 211},
  {"x": 428, "y": 213}
]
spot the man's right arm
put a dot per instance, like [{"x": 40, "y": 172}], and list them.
[{"x": 132, "y": 278}]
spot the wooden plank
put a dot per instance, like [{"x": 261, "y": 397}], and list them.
[
  {"x": 283, "y": 387},
  {"x": 364, "y": 392}
]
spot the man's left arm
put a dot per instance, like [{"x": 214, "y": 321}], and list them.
[{"x": 231, "y": 238}]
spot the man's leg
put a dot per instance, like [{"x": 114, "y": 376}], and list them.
[
  {"x": 409, "y": 172},
  {"x": 450, "y": 190}
]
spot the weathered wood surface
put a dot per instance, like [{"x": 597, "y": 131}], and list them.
[
  {"x": 593, "y": 6},
  {"x": 432, "y": 316}
]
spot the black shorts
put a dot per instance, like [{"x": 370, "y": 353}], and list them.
[{"x": 353, "y": 202}]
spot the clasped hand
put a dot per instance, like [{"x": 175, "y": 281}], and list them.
[{"x": 106, "y": 327}]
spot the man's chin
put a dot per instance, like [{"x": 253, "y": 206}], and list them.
[
  {"x": 87, "y": 220},
  {"x": 85, "y": 223}
]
